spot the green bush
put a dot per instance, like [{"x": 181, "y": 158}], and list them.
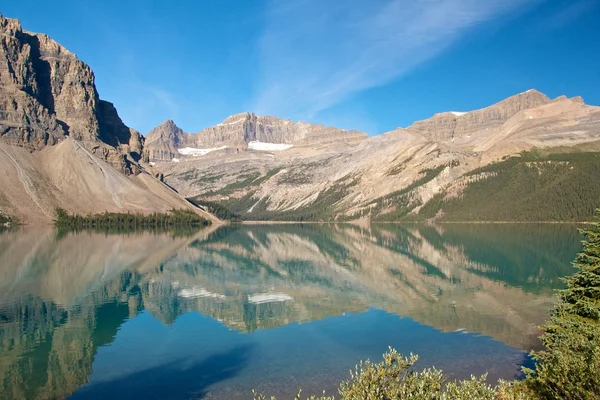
[{"x": 394, "y": 378}]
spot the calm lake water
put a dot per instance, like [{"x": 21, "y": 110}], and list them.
[{"x": 276, "y": 308}]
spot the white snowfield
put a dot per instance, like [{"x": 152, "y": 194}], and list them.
[
  {"x": 262, "y": 146},
  {"x": 458, "y": 113},
  {"x": 175, "y": 160},
  {"x": 262, "y": 298},
  {"x": 198, "y": 292},
  {"x": 191, "y": 151}
]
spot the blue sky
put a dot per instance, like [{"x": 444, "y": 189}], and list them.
[{"x": 368, "y": 65}]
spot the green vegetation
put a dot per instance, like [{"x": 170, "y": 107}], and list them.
[
  {"x": 194, "y": 175},
  {"x": 322, "y": 209},
  {"x": 294, "y": 178},
  {"x": 247, "y": 181},
  {"x": 393, "y": 379},
  {"x": 568, "y": 367},
  {"x": 217, "y": 209},
  {"x": 531, "y": 187},
  {"x": 398, "y": 168},
  {"x": 267, "y": 176},
  {"x": 8, "y": 222},
  {"x": 129, "y": 220},
  {"x": 4, "y": 219},
  {"x": 432, "y": 207},
  {"x": 402, "y": 201}
]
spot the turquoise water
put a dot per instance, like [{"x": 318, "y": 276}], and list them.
[{"x": 273, "y": 308}]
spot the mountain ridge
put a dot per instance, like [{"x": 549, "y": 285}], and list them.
[
  {"x": 235, "y": 132},
  {"x": 385, "y": 176},
  {"x": 250, "y": 166}
]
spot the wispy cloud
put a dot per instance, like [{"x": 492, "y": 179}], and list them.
[{"x": 315, "y": 53}]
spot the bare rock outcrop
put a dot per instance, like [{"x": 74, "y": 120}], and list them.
[
  {"x": 449, "y": 125},
  {"x": 47, "y": 93},
  {"x": 162, "y": 142},
  {"x": 235, "y": 133}
]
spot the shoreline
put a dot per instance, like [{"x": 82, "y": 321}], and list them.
[{"x": 404, "y": 222}]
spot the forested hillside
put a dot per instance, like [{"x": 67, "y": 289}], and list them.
[
  {"x": 529, "y": 187},
  {"x": 532, "y": 186}
]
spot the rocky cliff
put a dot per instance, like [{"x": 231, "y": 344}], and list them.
[
  {"x": 60, "y": 145},
  {"x": 167, "y": 141},
  {"x": 47, "y": 94},
  {"x": 450, "y": 125},
  {"x": 163, "y": 141}
]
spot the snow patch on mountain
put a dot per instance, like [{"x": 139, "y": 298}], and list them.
[
  {"x": 262, "y": 146},
  {"x": 192, "y": 151}
]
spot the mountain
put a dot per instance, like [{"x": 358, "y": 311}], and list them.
[
  {"x": 243, "y": 132},
  {"x": 48, "y": 94},
  {"x": 452, "y": 125},
  {"x": 527, "y": 157},
  {"x": 434, "y": 165},
  {"x": 60, "y": 144}
]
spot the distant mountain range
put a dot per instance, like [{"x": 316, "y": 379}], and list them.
[
  {"x": 241, "y": 132},
  {"x": 61, "y": 146},
  {"x": 526, "y": 158}
]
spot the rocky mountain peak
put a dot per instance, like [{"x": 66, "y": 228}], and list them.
[
  {"x": 450, "y": 125},
  {"x": 168, "y": 130},
  {"x": 47, "y": 94},
  {"x": 163, "y": 141},
  {"x": 169, "y": 125},
  {"x": 10, "y": 25},
  {"x": 578, "y": 99},
  {"x": 521, "y": 101},
  {"x": 238, "y": 118},
  {"x": 169, "y": 122},
  {"x": 237, "y": 132}
]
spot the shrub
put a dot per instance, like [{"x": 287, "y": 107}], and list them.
[{"x": 394, "y": 378}]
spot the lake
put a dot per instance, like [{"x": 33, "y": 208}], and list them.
[{"x": 217, "y": 313}]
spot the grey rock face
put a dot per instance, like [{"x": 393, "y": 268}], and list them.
[
  {"x": 47, "y": 93},
  {"x": 163, "y": 141},
  {"x": 449, "y": 125},
  {"x": 236, "y": 131}
]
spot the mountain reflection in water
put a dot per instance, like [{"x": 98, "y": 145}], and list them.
[{"x": 63, "y": 296}]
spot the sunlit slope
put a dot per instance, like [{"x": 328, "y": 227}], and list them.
[{"x": 390, "y": 176}]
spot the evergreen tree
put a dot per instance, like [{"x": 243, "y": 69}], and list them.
[{"x": 569, "y": 367}]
